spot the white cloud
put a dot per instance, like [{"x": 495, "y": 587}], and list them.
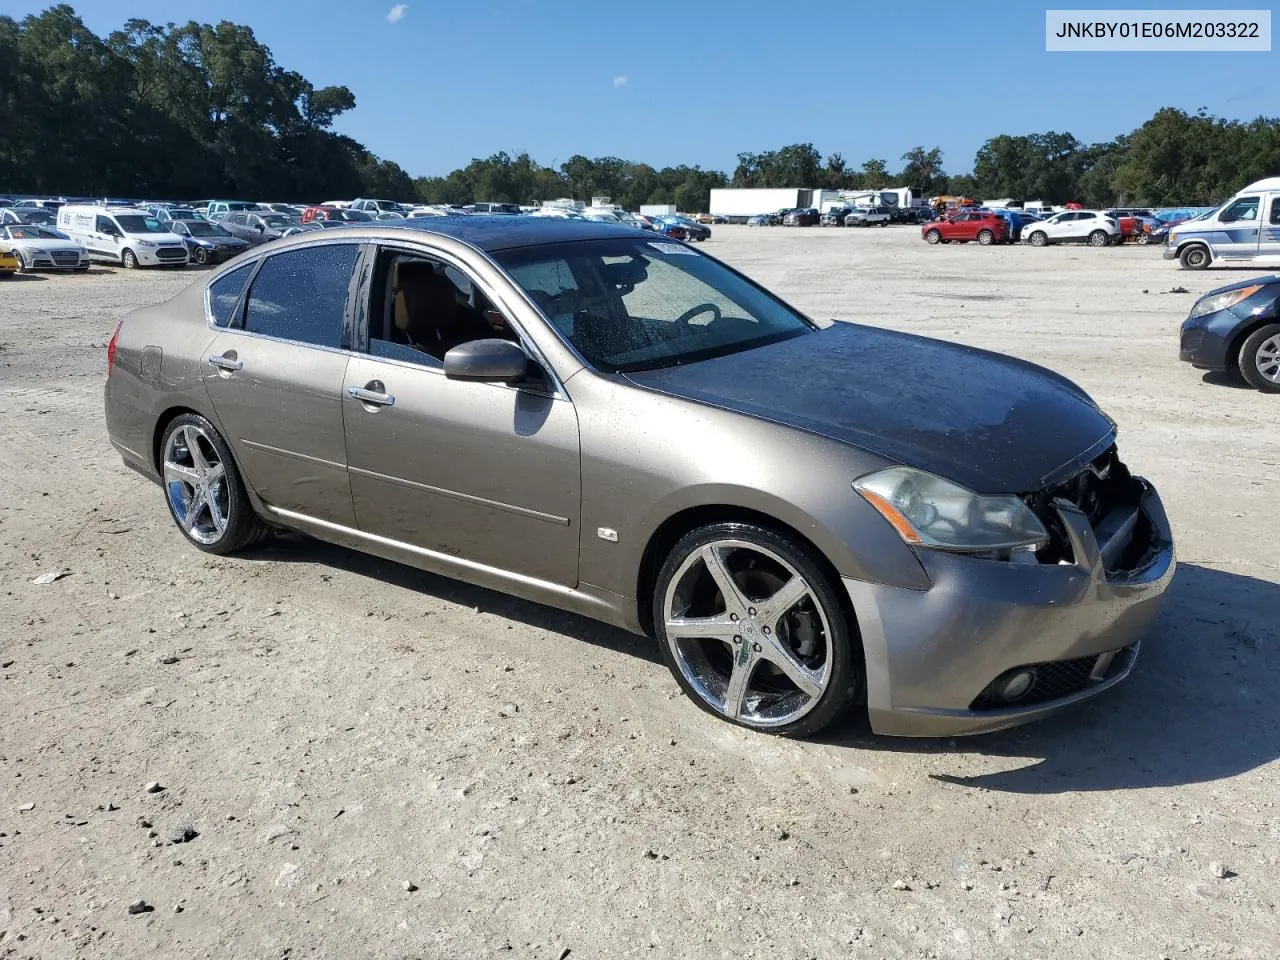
[
  {"x": 396, "y": 13},
  {"x": 619, "y": 81}
]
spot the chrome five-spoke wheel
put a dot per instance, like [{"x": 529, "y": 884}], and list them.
[
  {"x": 202, "y": 486},
  {"x": 195, "y": 481},
  {"x": 752, "y": 630}
]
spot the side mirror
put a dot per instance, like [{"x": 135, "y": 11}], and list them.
[{"x": 498, "y": 361}]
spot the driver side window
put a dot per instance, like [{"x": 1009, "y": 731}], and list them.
[
  {"x": 421, "y": 308},
  {"x": 1246, "y": 208}
]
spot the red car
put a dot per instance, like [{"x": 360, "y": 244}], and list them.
[{"x": 965, "y": 225}]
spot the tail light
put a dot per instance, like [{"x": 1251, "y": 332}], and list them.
[{"x": 111, "y": 347}]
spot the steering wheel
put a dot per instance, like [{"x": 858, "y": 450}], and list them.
[{"x": 700, "y": 308}]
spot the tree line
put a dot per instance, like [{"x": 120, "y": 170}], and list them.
[{"x": 203, "y": 110}]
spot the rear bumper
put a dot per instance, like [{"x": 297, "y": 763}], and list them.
[{"x": 930, "y": 655}]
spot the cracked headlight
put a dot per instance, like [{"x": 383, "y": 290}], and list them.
[{"x": 928, "y": 511}]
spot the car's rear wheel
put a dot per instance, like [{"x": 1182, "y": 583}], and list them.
[
  {"x": 128, "y": 260},
  {"x": 1194, "y": 257},
  {"x": 933, "y": 236},
  {"x": 1259, "y": 358},
  {"x": 986, "y": 237},
  {"x": 1099, "y": 238},
  {"x": 1039, "y": 239},
  {"x": 206, "y": 496},
  {"x": 754, "y": 631}
]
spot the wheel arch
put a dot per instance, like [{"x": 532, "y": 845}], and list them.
[
  {"x": 670, "y": 531},
  {"x": 1269, "y": 315}
]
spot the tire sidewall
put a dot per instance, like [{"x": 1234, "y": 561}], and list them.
[
  {"x": 128, "y": 259},
  {"x": 1099, "y": 238},
  {"x": 845, "y": 649},
  {"x": 933, "y": 237},
  {"x": 986, "y": 238},
  {"x": 1246, "y": 360},
  {"x": 1039, "y": 239}
]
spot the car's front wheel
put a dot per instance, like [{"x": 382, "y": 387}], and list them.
[
  {"x": 23, "y": 266},
  {"x": 754, "y": 631},
  {"x": 201, "y": 256},
  {"x": 1194, "y": 257},
  {"x": 1259, "y": 358},
  {"x": 1039, "y": 239},
  {"x": 128, "y": 260},
  {"x": 933, "y": 236},
  {"x": 206, "y": 496}
]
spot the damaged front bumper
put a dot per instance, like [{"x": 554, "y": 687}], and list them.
[{"x": 934, "y": 658}]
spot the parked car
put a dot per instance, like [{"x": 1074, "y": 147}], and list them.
[
  {"x": 801, "y": 218},
  {"x": 693, "y": 231},
  {"x": 710, "y": 218},
  {"x": 38, "y": 216},
  {"x": 1237, "y": 328},
  {"x": 966, "y": 565},
  {"x": 671, "y": 228},
  {"x": 1245, "y": 229},
  {"x": 124, "y": 235},
  {"x": 208, "y": 242},
  {"x": 925, "y": 213},
  {"x": 1074, "y": 226},
  {"x": 169, "y": 214},
  {"x": 218, "y": 209},
  {"x": 763, "y": 220},
  {"x": 963, "y": 226},
  {"x": 8, "y": 261},
  {"x": 868, "y": 216},
  {"x": 375, "y": 207},
  {"x": 42, "y": 248},
  {"x": 256, "y": 228},
  {"x": 834, "y": 217}
]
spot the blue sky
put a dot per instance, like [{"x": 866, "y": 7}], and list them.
[{"x": 698, "y": 81}]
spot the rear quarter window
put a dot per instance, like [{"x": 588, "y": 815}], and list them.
[{"x": 224, "y": 294}]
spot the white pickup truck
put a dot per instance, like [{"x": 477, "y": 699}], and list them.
[{"x": 868, "y": 216}]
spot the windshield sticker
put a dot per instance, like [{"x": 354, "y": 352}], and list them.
[{"x": 673, "y": 248}]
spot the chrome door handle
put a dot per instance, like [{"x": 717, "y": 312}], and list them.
[
  {"x": 225, "y": 363},
  {"x": 371, "y": 396}
]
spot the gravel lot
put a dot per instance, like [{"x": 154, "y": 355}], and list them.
[{"x": 327, "y": 728}]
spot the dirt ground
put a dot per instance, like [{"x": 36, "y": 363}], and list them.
[{"x": 327, "y": 728}]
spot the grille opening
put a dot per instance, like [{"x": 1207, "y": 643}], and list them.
[{"x": 1101, "y": 487}]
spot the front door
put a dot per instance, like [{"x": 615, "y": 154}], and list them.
[
  {"x": 274, "y": 378},
  {"x": 1238, "y": 236},
  {"x": 484, "y": 472}
]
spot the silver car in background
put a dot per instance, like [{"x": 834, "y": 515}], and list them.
[{"x": 613, "y": 423}]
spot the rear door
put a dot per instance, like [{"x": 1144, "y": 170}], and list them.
[
  {"x": 1269, "y": 235},
  {"x": 274, "y": 375}
]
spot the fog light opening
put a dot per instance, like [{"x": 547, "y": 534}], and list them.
[{"x": 1014, "y": 685}]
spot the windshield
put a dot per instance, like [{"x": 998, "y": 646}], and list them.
[
  {"x": 137, "y": 223},
  {"x": 638, "y": 304},
  {"x": 180, "y": 214},
  {"x": 241, "y": 205},
  {"x": 277, "y": 220},
  {"x": 202, "y": 228}
]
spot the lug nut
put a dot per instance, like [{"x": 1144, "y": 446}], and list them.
[
  {"x": 751, "y": 612},
  {"x": 733, "y": 617},
  {"x": 755, "y": 647},
  {"x": 766, "y": 631},
  {"x": 737, "y": 640}
]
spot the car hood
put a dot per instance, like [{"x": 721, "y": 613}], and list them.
[
  {"x": 1251, "y": 281},
  {"x": 991, "y": 422}
]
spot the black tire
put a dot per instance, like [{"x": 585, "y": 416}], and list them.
[
  {"x": 1194, "y": 257},
  {"x": 932, "y": 236},
  {"x": 1247, "y": 359},
  {"x": 1039, "y": 238},
  {"x": 128, "y": 260},
  {"x": 1099, "y": 238},
  {"x": 23, "y": 266},
  {"x": 244, "y": 528},
  {"x": 845, "y": 683},
  {"x": 986, "y": 237},
  {"x": 201, "y": 256}
]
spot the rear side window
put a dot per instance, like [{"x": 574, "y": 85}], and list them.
[
  {"x": 224, "y": 294},
  {"x": 302, "y": 294}
]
